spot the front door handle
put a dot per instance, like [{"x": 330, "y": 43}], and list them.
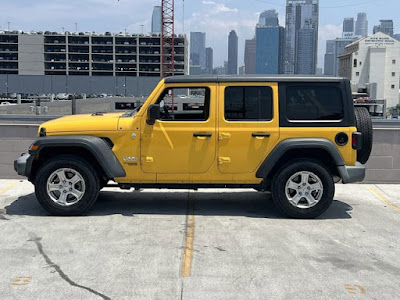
[
  {"x": 202, "y": 134},
  {"x": 260, "y": 134}
]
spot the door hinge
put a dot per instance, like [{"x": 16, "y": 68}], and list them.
[
  {"x": 224, "y": 135},
  {"x": 224, "y": 160}
]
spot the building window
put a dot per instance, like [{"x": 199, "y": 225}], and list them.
[
  {"x": 248, "y": 103},
  {"x": 360, "y": 63},
  {"x": 357, "y": 73},
  {"x": 394, "y": 61},
  {"x": 306, "y": 103},
  {"x": 355, "y": 63},
  {"x": 393, "y": 86},
  {"x": 393, "y": 74}
]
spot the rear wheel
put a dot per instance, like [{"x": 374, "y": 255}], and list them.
[
  {"x": 67, "y": 185},
  {"x": 364, "y": 125},
  {"x": 303, "y": 189}
]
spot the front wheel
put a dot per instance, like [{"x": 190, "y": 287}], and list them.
[
  {"x": 67, "y": 185},
  {"x": 303, "y": 189}
]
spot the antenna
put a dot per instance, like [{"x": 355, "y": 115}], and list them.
[{"x": 76, "y": 27}]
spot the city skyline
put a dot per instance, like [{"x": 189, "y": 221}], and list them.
[{"x": 216, "y": 18}]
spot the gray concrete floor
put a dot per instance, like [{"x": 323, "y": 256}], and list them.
[{"x": 232, "y": 245}]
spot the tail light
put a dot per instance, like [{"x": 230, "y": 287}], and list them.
[{"x": 356, "y": 140}]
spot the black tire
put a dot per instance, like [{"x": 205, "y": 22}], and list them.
[
  {"x": 89, "y": 175},
  {"x": 364, "y": 125},
  {"x": 279, "y": 186}
]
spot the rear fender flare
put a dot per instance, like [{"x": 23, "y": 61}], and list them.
[{"x": 293, "y": 144}]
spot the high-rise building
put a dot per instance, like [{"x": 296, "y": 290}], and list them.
[
  {"x": 209, "y": 60},
  {"x": 250, "y": 56},
  {"x": 270, "y": 43},
  {"x": 269, "y": 18},
  {"x": 385, "y": 27},
  {"x": 156, "y": 20},
  {"x": 329, "y": 58},
  {"x": 305, "y": 54},
  {"x": 335, "y": 48},
  {"x": 198, "y": 49},
  {"x": 348, "y": 28},
  {"x": 361, "y": 25},
  {"x": 232, "y": 53},
  {"x": 302, "y": 18}
]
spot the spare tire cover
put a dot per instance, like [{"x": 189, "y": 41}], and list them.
[{"x": 364, "y": 125}]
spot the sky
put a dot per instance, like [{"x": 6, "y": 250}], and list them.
[{"x": 215, "y": 17}]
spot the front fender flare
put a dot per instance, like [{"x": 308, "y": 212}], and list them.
[{"x": 96, "y": 146}]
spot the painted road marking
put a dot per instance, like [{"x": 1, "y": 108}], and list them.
[
  {"x": 7, "y": 187},
  {"x": 188, "y": 250},
  {"x": 21, "y": 280},
  {"x": 385, "y": 200},
  {"x": 354, "y": 289}
]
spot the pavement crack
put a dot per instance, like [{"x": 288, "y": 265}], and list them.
[
  {"x": 34, "y": 238},
  {"x": 182, "y": 290}
]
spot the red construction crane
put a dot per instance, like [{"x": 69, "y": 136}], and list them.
[{"x": 167, "y": 38}]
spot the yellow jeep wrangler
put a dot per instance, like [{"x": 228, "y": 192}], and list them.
[{"x": 292, "y": 136}]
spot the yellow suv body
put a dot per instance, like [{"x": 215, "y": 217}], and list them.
[{"x": 195, "y": 132}]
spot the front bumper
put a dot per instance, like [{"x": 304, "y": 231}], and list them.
[
  {"x": 23, "y": 164},
  {"x": 352, "y": 174}
]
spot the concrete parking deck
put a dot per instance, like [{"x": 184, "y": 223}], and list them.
[{"x": 200, "y": 245}]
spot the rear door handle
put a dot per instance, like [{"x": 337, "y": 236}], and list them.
[
  {"x": 260, "y": 134},
  {"x": 202, "y": 134}
]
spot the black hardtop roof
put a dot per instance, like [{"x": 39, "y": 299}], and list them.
[{"x": 251, "y": 78}]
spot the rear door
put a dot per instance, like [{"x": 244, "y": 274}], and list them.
[{"x": 248, "y": 125}]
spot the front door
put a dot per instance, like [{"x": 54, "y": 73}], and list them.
[
  {"x": 248, "y": 123},
  {"x": 183, "y": 140}
]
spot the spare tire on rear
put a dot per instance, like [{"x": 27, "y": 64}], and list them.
[{"x": 364, "y": 125}]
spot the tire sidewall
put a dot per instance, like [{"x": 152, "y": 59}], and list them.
[
  {"x": 279, "y": 186},
  {"x": 91, "y": 185}
]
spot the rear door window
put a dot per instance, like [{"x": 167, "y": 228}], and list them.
[
  {"x": 314, "y": 103},
  {"x": 250, "y": 103}
]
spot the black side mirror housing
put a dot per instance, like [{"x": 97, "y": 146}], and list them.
[{"x": 153, "y": 114}]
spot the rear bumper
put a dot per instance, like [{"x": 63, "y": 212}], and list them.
[
  {"x": 23, "y": 164},
  {"x": 352, "y": 174}
]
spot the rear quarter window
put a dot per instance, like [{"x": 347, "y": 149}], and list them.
[{"x": 314, "y": 103}]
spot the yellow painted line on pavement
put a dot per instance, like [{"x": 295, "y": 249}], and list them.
[
  {"x": 7, "y": 187},
  {"x": 384, "y": 199},
  {"x": 188, "y": 250}
]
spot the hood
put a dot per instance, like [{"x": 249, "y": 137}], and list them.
[{"x": 79, "y": 123}]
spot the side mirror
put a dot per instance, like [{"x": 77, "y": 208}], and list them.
[{"x": 153, "y": 114}]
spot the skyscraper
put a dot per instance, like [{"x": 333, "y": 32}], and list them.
[
  {"x": 329, "y": 58},
  {"x": 335, "y": 48},
  {"x": 362, "y": 25},
  {"x": 198, "y": 49},
  {"x": 348, "y": 27},
  {"x": 302, "y": 18},
  {"x": 209, "y": 60},
  {"x": 232, "y": 53},
  {"x": 386, "y": 27},
  {"x": 156, "y": 20},
  {"x": 269, "y": 18},
  {"x": 270, "y": 41},
  {"x": 250, "y": 56}
]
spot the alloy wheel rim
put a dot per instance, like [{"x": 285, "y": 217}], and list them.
[
  {"x": 304, "y": 189},
  {"x": 65, "y": 186}
]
